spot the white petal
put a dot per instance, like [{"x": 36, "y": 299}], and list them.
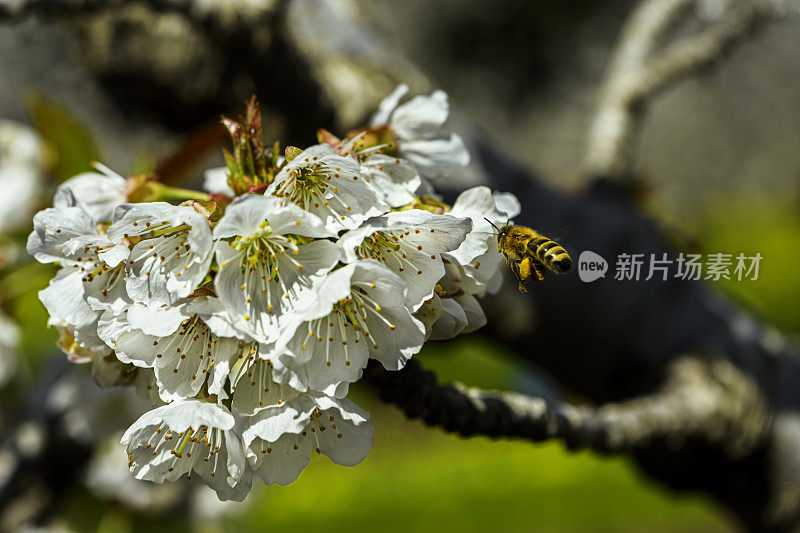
[
  {"x": 140, "y": 219},
  {"x": 64, "y": 298},
  {"x": 253, "y": 306},
  {"x": 54, "y": 227},
  {"x": 185, "y": 437},
  {"x": 325, "y": 291},
  {"x": 396, "y": 180},
  {"x": 476, "y": 319},
  {"x": 391, "y": 345},
  {"x": 444, "y": 232},
  {"x": 157, "y": 321},
  {"x": 244, "y": 216},
  {"x": 352, "y": 239},
  {"x": 329, "y": 186},
  {"x": 185, "y": 359},
  {"x": 214, "y": 314},
  {"x": 422, "y": 116},
  {"x": 114, "y": 254},
  {"x": 348, "y": 438},
  {"x": 98, "y": 194},
  {"x": 507, "y": 204},
  {"x": 130, "y": 344},
  {"x": 290, "y": 218},
  {"x": 215, "y": 181},
  {"x": 429, "y": 313},
  {"x": 436, "y": 158},
  {"x": 339, "y": 429},
  {"x": 105, "y": 289},
  {"x": 452, "y": 321},
  {"x": 165, "y": 269},
  {"x": 280, "y": 461},
  {"x": 182, "y": 415},
  {"x": 410, "y": 246},
  {"x": 388, "y": 105},
  {"x": 335, "y": 361},
  {"x": 271, "y": 423},
  {"x": 480, "y": 204}
]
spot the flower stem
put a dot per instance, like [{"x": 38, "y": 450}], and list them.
[{"x": 172, "y": 194}]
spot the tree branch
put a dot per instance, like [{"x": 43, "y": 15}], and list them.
[
  {"x": 636, "y": 74},
  {"x": 706, "y": 399}
]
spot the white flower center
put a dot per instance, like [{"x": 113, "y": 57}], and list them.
[
  {"x": 261, "y": 251},
  {"x": 310, "y": 185}
]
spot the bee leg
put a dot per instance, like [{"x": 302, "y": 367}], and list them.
[
  {"x": 539, "y": 270},
  {"x": 524, "y": 273}
]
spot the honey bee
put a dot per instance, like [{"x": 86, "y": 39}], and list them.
[{"x": 529, "y": 254}]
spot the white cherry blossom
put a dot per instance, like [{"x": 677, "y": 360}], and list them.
[
  {"x": 177, "y": 344},
  {"x": 354, "y": 313},
  {"x": 329, "y": 186},
  {"x": 267, "y": 257},
  {"x": 418, "y": 126},
  {"x": 173, "y": 254},
  {"x": 279, "y": 440},
  {"x": 410, "y": 244},
  {"x": 186, "y": 437},
  {"x": 245, "y": 320}
]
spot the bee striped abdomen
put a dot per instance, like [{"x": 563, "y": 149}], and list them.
[
  {"x": 552, "y": 254},
  {"x": 529, "y": 254}
]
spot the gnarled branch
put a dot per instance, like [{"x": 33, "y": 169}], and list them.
[
  {"x": 638, "y": 72},
  {"x": 706, "y": 399}
]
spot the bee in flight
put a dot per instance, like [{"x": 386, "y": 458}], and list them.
[{"x": 530, "y": 254}]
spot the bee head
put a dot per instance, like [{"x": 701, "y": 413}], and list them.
[{"x": 501, "y": 232}]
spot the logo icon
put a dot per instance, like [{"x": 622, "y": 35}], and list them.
[{"x": 591, "y": 266}]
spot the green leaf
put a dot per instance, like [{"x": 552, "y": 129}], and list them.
[{"x": 71, "y": 141}]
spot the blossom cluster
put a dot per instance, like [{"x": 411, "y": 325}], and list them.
[{"x": 245, "y": 314}]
